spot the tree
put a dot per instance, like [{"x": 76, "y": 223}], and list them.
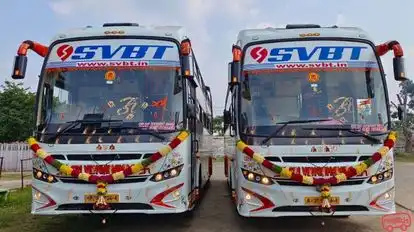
[
  {"x": 218, "y": 125},
  {"x": 16, "y": 112},
  {"x": 406, "y": 125}
]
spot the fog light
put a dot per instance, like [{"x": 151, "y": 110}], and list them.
[
  {"x": 265, "y": 180},
  {"x": 176, "y": 194},
  {"x": 50, "y": 179},
  {"x": 173, "y": 172},
  {"x": 250, "y": 176},
  {"x": 158, "y": 177},
  {"x": 37, "y": 195},
  {"x": 248, "y": 196}
]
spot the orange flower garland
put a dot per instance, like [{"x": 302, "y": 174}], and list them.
[
  {"x": 102, "y": 181},
  {"x": 325, "y": 182}
]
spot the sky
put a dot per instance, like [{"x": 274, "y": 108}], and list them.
[{"x": 212, "y": 26}]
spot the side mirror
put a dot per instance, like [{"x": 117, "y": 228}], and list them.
[
  {"x": 191, "y": 110},
  {"x": 400, "y": 112},
  {"x": 399, "y": 69},
  {"x": 19, "y": 69}
]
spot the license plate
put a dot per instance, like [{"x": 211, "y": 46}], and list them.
[
  {"x": 109, "y": 198},
  {"x": 318, "y": 200}
]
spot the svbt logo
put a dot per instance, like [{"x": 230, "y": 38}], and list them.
[
  {"x": 108, "y": 52},
  {"x": 306, "y": 54}
]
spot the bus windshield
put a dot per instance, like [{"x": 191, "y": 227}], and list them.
[
  {"x": 138, "y": 96},
  {"x": 130, "y": 81},
  {"x": 346, "y": 87}
]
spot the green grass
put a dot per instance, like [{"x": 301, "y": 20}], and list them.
[
  {"x": 404, "y": 157},
  {"x": 15, "y": 216},
  {"x": 14, "y": 175}
]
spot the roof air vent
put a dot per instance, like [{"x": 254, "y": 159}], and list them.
[
  {"x": 299, "y": 26},
  {"x": 121, "y": 25}
]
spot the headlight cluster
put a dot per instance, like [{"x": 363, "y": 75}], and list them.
[
  {"x": 167, "y": 174},
  {"x": 257, "y": 178},
  {"x": 381, "y": 177},
  {"x": 42, "y": 176}
]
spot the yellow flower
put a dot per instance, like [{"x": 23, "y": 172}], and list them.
[
  {"x": 182, "y": 136},
  {"x": 383, "y": 150},
  {"x": 241, "y": 145},
  {"x": 325, "y": 194},
  {"x": 137, "y": 167},
  {"x": 31, "y": 141},
  {"x": 393, "y": 135},
  {"x": 41, "y": 153},
  {"x": 118, "y": 175},
  {"x": 286, "y": 173},
  {"x": 307, "y": 180},
  {"x": 360, "y": 168},
  {"x": 65, "y": 170},
  {"x": 340, "y": 177},
  {"x": 165, "y": 150},
  {"x": 84, "y": 176},
  {"x": 258, "y": 158}
]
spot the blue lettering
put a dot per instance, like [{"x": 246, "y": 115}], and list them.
[
  {"x": 84, "y": 52},
  {"x": 107, "y": 51},
  {"x": 277, "y": 56},
  {"x": 128, "y": 51},
  {"x": 328, "y": 53}
]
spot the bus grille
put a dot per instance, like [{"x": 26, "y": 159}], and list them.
[
  {"x": 127, "y": 180},
  {"x": 316, "y": 159},
  {"x": 294, "y": 183},
  {"x": 101, "y": 157}
]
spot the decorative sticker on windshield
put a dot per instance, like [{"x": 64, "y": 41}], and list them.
[
  {"x": 129, "y": 108},
  {"x": 161, "y": 103},
  {"x": 364, "y": 108},
  {"x": 110, "y": 77},
  {"x": 313, "y": 77},
  {"x": 157, "y": 125},
  {"x": 340, "y": 107}
]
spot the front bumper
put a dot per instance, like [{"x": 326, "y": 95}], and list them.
[{"x": 256, "y": 200}]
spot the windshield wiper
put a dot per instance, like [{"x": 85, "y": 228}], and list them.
[
  {"x": 291, "y": 122},
  {"x": 367, "y": 136},
  {"x": 73, "y": 124}
]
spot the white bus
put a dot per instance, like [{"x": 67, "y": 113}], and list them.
[
  {"x": 123, "y": 122},
  {"x": 305, "y": 105}
]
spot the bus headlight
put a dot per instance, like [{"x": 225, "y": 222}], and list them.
[
  {"x": 167, "y": 174},
  {"x": 381, "y": 177},
  {"x": 257, "y": 178},
  {"x": 43, "y": 176}
]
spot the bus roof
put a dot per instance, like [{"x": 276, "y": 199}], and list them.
[
  {"x": 298, "y": 31},
  {"x": 175, "y": 32}
]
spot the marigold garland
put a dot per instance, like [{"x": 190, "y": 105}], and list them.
[
  {"x": 103, "y": 181},
  {"x": 325, "y": 182}
]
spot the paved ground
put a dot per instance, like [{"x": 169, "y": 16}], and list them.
[{"x": 217, "y": 213}]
